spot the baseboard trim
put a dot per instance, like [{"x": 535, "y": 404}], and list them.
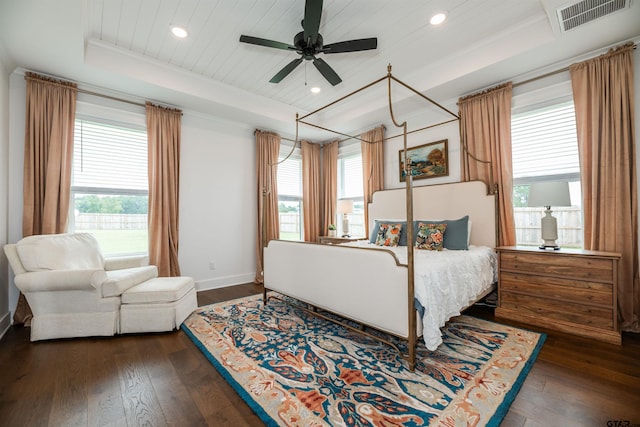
[
  {"x": 223, "y": 282},
  {"x": 5, "y": 323}
]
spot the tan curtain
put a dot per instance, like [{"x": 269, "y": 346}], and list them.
[
  {"x": 48, "y": 152},
  {"x": 329, "y": 185},
  {"x": 311, "y": 189},
  {"x": 163, "y": 135},
  {"x": 267, "y": 149},
  {"x": 603, "y": 95},
  {"x": 485, "y": 131},
  {"x": 372, "y": 167}
]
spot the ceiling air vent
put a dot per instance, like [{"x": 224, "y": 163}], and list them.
[{"x": 579, "y": 13}]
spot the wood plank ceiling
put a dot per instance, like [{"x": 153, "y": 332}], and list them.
[{"x": 405, "y": 37}]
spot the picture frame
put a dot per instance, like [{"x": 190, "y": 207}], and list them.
[{"x": 427, "y": 161}]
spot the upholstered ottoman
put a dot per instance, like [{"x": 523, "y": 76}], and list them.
[{"x": 159, "y": 304}]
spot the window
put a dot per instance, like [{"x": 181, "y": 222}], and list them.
[
  {"x": 109, "y": 185},
  {"x": 545, "y": 148},
  {"x": 290, "y": 194},
  {"x": 350, "y": 187}
]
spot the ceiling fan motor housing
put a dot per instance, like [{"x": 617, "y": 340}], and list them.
[{"x": 305, "y": 49}]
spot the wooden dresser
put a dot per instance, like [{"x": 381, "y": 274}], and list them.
[
  {"x": 326, "y": 240},
  {"x": 573, "y": 291}
]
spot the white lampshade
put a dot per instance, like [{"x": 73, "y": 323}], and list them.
[
  {"x": 345, "y": 206},
  {"x": 551, "y": 193}
]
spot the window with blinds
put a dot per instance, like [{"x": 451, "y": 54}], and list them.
[
  {"x": 545, "y": 148},
  {"x": 350, "y": 187},
  {"x": 545, "y": 145},
  {"x": 290, "y": 194},
  {"x": 109, "y": 190},
  {"x": 350, "y": 176}
]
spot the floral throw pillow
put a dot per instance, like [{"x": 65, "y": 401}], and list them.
[
  {"x": 430, "y": 236},
  {"x": 388, "y": 234}
]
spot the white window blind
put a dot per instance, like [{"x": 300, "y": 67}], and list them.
[
  {"x": 109, "y": 157},
  {"x": 109, "y": 185},
  {"x": 545, "y": 148},
  {"x": 290, "y": 173},
  {"x": 544, "y": 144},
  {"x": 350, "y": 176}
]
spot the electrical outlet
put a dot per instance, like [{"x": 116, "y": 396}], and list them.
[{"x": 212, "y": 265}]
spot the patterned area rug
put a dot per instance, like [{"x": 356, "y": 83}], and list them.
[{"x": 295, "y": 369}]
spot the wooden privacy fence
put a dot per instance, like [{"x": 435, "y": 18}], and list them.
[
  {"x": 99, "y": 221},
  {"x": 527, "y": 224},
  {"x": 569, "y": 225}
]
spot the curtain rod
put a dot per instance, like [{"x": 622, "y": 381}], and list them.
[
  {"x": 126, "y": 101},
  {"x": 101, "y": 95},
  {"x": 268, "y": 131},
  {"x": 113, "y": 98},
  {"x": 543, "y": 76},
  {"x": 549, "y": 74}
]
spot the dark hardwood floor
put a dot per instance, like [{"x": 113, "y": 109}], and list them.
[{"x": 163, "y": 379}]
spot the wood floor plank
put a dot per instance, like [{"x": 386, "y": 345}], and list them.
[
  {"x": 177, "y": 405},
  {"x": 164, "y": 379},
  {"x": 104, "y": 398},
  {"x": 69, "y": 405},
  {"x": 141, "y": 405},
  {"x": 28, "y": 395}
]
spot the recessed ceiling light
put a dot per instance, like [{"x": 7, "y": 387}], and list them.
[
  {"x": 315, "y": 89},
  {"x": 179, "y": 32},
  {"x": 438, "y": 18}
]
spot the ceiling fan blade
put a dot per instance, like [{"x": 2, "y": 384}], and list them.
[
  {"x": 267, "y": 43},
  {"x": 286, "y": 70},
  {"x": 311, "y": 22},
  {"x": 351, "y": 46},
  {"x": 327, "y": 71}
]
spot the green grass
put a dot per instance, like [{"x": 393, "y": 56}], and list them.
[
  {"x": 289, "y": 236},
  {"x": 114, "y": 242}
]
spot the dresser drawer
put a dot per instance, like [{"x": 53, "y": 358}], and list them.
[
  {"x": 579, "y": 291},
  {"x": 589, "y": 268},
  {"x": 597, "y": 317}
]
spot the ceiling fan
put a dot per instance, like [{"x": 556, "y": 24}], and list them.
[{"x": 308, "y": 43}]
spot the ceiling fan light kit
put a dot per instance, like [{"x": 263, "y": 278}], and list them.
[
  {"x": 309, "y": 43},
  {"x": 438, "y": 18},
  {"x": 179, "y": 32}
]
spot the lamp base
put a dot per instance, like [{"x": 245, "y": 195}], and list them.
[
  {"x": 345, "y": 225},
  {"x": 549, "y": 229},
  {"x": 545, "y": 247}
]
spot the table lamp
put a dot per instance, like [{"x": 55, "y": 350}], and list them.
[
  {"x": 547, "y": 194},
  {"x": 345, "y": 207}
]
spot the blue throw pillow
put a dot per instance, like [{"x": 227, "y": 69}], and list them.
[{"x": 456, "y": 235}]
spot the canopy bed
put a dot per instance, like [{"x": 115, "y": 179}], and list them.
[{"x": 395, "y": 289}]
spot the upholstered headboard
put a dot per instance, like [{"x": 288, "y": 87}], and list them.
[{"x": 441, "y": 202}]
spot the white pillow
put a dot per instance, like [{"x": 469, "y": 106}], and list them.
[{"x": 75, "y": 251}]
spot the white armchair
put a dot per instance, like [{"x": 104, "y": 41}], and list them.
[{"x": 73, "y": 291}]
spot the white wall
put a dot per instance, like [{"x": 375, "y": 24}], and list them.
[
  {"x": 5, "y": 315},
  {"x": 217, "y": 190},
  {"x": 449, "y": 131},
  {"x": 17, "y": 106},
  {"x": 217, "y": 201},
  {"x": 636, "y": 83},
  {"x": 217, "y": 193}
]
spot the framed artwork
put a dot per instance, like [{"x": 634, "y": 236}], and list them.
[{"x": 427, "y": 161}]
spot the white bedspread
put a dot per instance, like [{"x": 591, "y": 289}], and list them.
[{"x": 446, "y": 282}]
